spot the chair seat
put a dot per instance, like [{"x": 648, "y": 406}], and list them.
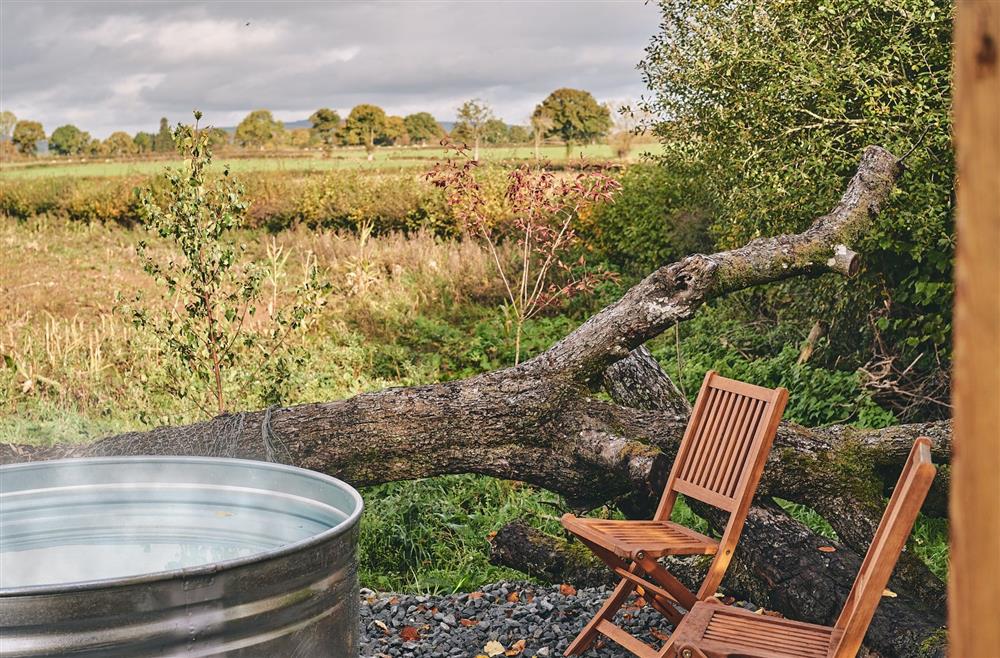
[
  {"x": 653, "y": 538},
  {"x": 719, "y": 630}
]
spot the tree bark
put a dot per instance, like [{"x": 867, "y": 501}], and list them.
[{"x": 540, "y": 422}]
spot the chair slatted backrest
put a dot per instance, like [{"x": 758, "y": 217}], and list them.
[
  {"x": 721, "y": 457},
  {"x": 726, "y": 443},
  {"x": 890, "y": 538}
]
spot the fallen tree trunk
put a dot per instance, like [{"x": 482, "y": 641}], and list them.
[{"x": 541, "y": 423}]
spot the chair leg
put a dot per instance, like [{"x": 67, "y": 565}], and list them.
[
  {"x": 668, "y": 581},
  {"x": 587, "y": 636}
]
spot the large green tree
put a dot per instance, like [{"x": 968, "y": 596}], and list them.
[
  {"x": 472, "y": 117},
  {"x": 422, "y": 127},
  {"x": 144, "y": 141},
  {"x": 364, "y": 125},
  {"x": 325, "y": 124},
  {"x": 259, "y": 129},
  {"x": 164, "y": 141},
  {"x": 26, "y": 136},
  {"x": 394, "y": 132},
  {"x": 764, "y": 106},
  {"x": 120, "y": 144},
  {"x": 495, "y": 131},
  {"x": 7, "y": 123},
  {"x": 574, "y": 115},
  {"x": 68, "y": 140}
]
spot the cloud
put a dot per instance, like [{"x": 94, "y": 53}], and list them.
[{"x": 112, "y": 66}]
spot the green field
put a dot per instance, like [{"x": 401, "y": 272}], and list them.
[{"x": 385, "y": 159}]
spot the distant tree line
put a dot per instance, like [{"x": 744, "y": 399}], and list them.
[{"x": 571, "y": 116}]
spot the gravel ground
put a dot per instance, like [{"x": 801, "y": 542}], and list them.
[{"x": 544, "y": 618}]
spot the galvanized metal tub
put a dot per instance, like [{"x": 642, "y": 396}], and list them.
[{"x": 176, "y": 556}]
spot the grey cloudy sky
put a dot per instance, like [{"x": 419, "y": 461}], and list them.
[{"x": 121, "y": 65}]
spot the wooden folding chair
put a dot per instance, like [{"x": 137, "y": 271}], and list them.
[
  {"x": 712, "y": 630},
  {"x": 719, "y": 462}
]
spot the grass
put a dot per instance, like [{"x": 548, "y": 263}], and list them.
[
  {"x": 386, "y": 159},
  {"x": 402, "y": 311}
]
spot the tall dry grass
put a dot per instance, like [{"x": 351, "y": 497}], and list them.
[{"x": 66, "y": 348}]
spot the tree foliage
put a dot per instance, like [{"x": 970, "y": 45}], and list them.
[
  {"x": 472, "y": 117},
  {"x": 495, "y": 131},
  {"x": 7, "y": 123},
  {"x": 164, "y": 140},
  {"x": 219, "y": 291},
  {"x": 765, "y": 107},
  {"x": 144, "y": 142},
  {"x": 574, "y": 115},
  {"x": 394, "y": 132},
  {"x": 364, "y": 125},
  {"x": 259, "y": 129},
  {"x": 422, "y": 127},
  {"x": 68, "y": 140},
  {"x": 325, "y": 124},
  {"x": 120, "y": 143},
  {"x": 26, "y": 136}
]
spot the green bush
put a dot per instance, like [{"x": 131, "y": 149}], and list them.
[
  {"x": 654, "y": 220},
  {"x": 771, "y": 104}
]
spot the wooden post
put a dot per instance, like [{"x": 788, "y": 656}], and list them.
[{"x": 974, "y": 578}]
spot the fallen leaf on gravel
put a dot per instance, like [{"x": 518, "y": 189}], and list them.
[
  {"x": 409, "y": 633},
  {"x": 394, "y": 600},
  {"x": 381, "y": 624},
  {"x": 467, "y": 622},
  {"x": 516, "y": 648},
  {"x": 493, "y": 648},
  {"x": 567, "y": 590},
  {"x": 889, "y": 593},
  {"x": 659, "y": 635},
  {"x": 513, "y": 597},
  {"x": 826, "y": 549},
  {"x": 475, "y": 595}
]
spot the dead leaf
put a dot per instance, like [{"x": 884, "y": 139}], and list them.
[
  {"x": 513, "y": 597},
  {"x": 516, "y": 648},
  {"x": 493, "y": 648},
  {"x": 659, "y": 635},
  {"x": 468, "y": 623},
  {"x": 381, "y": 624},
  {"x": 567, "y": 590},
  {"x": 394, "y": 600},
  {"x": 889, "y": 593},
  {"x": 475, "y": 595},
  {"x": 409, "y": 634},
  {"x": 826, "y": 549}
]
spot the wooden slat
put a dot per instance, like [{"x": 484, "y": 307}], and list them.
[
  {"x": 636, "y": 646},
  {"x": 700, "y": 447},
  {"x": 736, "y": 421},
  {"x": 742, "y": 388},
  {"x": 704, "y": 495},
  {"x": 746, "y": 442}
]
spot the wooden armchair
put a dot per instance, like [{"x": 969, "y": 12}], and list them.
[
  {"x": 719, "y": 462},
  {"x": 712, "y": 630}
]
